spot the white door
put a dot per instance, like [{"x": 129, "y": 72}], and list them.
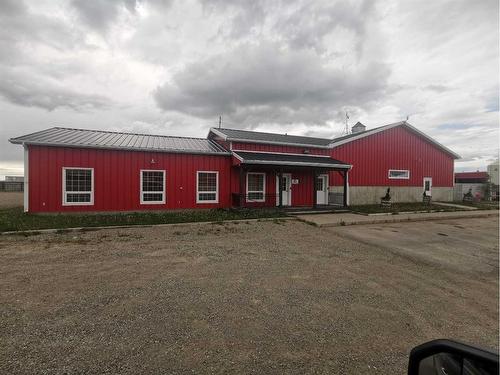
[
  {"x": 322, "y": 189},
  {"x": 287, "y": 192},
  {"x": 428, "y": 186}
]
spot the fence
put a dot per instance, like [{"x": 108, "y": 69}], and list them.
[{"x": 11, "y": 186}]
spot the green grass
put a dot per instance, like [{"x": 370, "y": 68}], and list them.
[
  {"x": 401, "y": 207},
  {"x": 14, "y": 219}
]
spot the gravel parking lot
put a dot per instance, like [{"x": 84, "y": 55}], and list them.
[{"x": 256, "y": 297}]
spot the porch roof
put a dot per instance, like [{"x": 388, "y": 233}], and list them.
[{"x": 281, "y": 159}]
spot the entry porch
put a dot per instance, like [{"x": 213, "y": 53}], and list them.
[{"x": 286, "y": 180}]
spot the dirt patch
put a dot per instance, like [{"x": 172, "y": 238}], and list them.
[
  {"x": 256, "y": 297},
  {"x": 9, "y": 199}
]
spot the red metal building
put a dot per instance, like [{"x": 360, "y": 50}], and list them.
[{"x": 85, "y": 170}]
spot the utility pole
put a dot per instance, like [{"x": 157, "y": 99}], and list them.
[{"x": 220, "y": 121}]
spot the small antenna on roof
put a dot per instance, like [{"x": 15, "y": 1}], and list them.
[
  {"x": 220, "y": 121},
  {"x": 346, "y": 130},
  {"x": 407, "y": 117}
]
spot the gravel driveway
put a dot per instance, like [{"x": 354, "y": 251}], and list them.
[{"x": 250, "y": 298}]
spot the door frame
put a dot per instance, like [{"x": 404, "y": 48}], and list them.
[
  {"x": 326, "y": 181},
  {"x": 289, "y": 182},
  {"x": 430, "y": 186}
]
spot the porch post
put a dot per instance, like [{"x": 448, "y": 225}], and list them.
[
  {"x": 315, "y": 195},
  {"x": 242, "y": 186},
  {"x": 346, "y": 187},
  {"x": 280, "y": 188}
]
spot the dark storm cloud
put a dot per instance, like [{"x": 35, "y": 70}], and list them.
[{"x": 271, "y": 84}]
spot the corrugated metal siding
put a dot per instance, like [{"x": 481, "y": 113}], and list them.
[
  {"x": 278, "y": 148},
  {"x": 117, "y": 178},
  {"x": 397, "y": 148}
]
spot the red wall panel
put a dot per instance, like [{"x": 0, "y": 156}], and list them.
[
  {"x": 117, "y": 178},
  {"x": 396, "y": 148},
  {"x": 278, "y": 148}
]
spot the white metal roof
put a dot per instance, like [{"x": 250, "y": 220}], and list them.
[{"x": 67, "y": 137}]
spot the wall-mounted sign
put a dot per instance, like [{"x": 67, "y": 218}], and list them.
[{"x": 295, "y": 181}]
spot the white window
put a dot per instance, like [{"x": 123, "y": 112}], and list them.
[
  {"x": 399, "y": 174},
  {"x": 207, "y": 187},
  {"x": 152, "y": 186},
  {"x": 78, "y": 186},
  {"x": 256, "y": 183}
]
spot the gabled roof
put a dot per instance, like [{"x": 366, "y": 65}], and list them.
[
  {"x": 67, "y": 137},
  {"x": 355, "y": 136},
  {"x": 281, "y": 159},
  {"x": 237, "y": 135}
]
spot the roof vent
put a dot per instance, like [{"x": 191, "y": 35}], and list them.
[{"x": 358, "y": 128}]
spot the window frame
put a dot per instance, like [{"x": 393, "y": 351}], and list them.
[
  {"x": 198, "y": 192},
  {"x": 163, "y": 192},
  {"x": 263, "y": 191},
  {"x": 65, "y": 193},
  {"x": 398, "y": 178}
]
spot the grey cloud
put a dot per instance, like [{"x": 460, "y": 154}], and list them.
[
  {"x": 32, "y": 91},
  {"x": 243, "y": 15},
  {"x": 100, "y": 14},
  {"x": 21, "y": 28},
  {"x": 309, "y": 24},
  {"x": 437, "y": 88},
  {"x": 266, "y": 83},
  {"x": 298, "y": 24}
]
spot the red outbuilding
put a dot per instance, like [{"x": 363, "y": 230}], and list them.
[{"x": 89, "y": 170}]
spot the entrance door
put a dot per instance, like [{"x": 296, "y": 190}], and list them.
[
  {"x": 428, "y": 186},
  {"x": 287, "y": 192},
  {"x": 322, "y": 189}
]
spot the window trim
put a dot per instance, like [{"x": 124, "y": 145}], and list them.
[
  {"x": 263, "y": 191},
  {"x": 398, "y": 178},
  {"x": 141, "y": 196},
  {"x": 198, "y": 192},
  {"x": 64, "y": 192}
]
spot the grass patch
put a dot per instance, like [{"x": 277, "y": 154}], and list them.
[
  {"x": 401, "y": 207},
  {"x": 14, "y": 219}
]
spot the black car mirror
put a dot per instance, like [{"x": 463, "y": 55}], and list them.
[{"x": 446, "y": 357}]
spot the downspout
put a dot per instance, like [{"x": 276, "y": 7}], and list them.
[{"x": 26, "y": 178}]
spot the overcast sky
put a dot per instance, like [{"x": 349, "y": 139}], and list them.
[{"x": 172, "y": 67}]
